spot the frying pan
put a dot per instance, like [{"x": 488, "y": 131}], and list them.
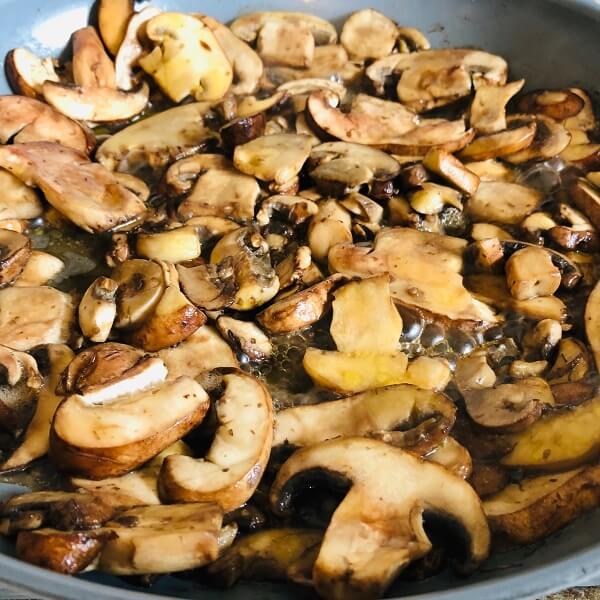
[{"x": 552, "y": 43}]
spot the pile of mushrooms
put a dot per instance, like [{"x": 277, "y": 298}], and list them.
[{"x": 360, "y": 272}]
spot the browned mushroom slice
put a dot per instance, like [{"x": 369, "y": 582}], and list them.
[
  {"x": 530, "y": 273},
  {"x": 556, "y": 104},
  {"x": 300, "y": 90},
  {"x": 91, "y": 65},
  {"x": 212, "y": 227},
  {"x": 245, "y": 413},
  {"x": 488, "y": 109},
  {"x": 368, "y": 34},
  {"x": 500, "y": 144},
  {"x": 492, "y": 170},
  {"x": 243, "y": 129},
  {"x": 433, "y": 78},
  {"x": 284, "y": 43},
  {"x": 211, "y": 287},
  {"x": 550, "y": 139},
  {"x": 510, "y": 406},
  {"x": 18, "y": 200},
  {"x": 584, "y": 156},
  {"x": 534, "y": 508},
  {"x": 296, "y": 209},
  {"x": 402, "y": 415},
  {"x": 330, "y": 226},
  {"x": 113, "y": 16},
  {"x": 28, "y": 120},
  {"x": 297, "y": 268},
  {"x": 220, "y": 190},
  {"x": 424, "y": 267},
  {"x": 586, "y": 198},
  {"x": 95, "y": 104},
  {"x": 342, "y": 571},
  {"x": 246, "y": 337},
  {"x": 26, "y": 72},
  {"x": 452, "y": 456},
  {"x": 448, "y": 167},
  {"x": 175, "y": 245},
  {"x": 573, "y": 362},
  {"x": 300, "y": 310},
  {"x": 485, "y": 231},
  {"x": 585, "y": 120},
  {"x": 85, "y": 192},
  {"x": 15, "y": 251},
  {"x": 98, "y": 309},
  {"x": 503, "y": 202},
  {"x": 157, "y": 140}
]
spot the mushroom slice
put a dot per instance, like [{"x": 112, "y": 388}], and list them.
[
  {"x": 277, "y": 158},
  {"x": 369, "y": 121},
  {"x": 556, "y": 104},
  {"x": 367, "y": 211},
  {"x": 98, "y": 309},
  {"x": 243, "y": 129},
  {"x": 500, "y": 144},
  {"x": 92, "y": 67},
  {"x": 18, "y": 200},
  {"x": 295, "y": 208},
  {"x": 297, "y": 267},
  {"x": 559, "y": 440},
  {"x": 592, "y": 323},
  {"x": 503, "y": 202},
  {"x": 573, "y": 362},
  {"x": 532, "y": 509},
  {"x": 302, "y": 88},
  {"x": 212, "y": 227},
  {"x": 107, "y": 439},
  {"x": 233, "y": 466},
  {"x": 433, "y": 78},
  {"x": 452, "y": 456},
  {"x": 28, "y": 120},
  {"x": 585, "y": 119},
  {"x": 368, "y": 34},
  {"x": 448, "y": 167},
  {"x": 485, "y": 231},
  {"x": 83, "y": 191},
  {"x": 256, "y": 279},
  {"x": 247, "y": 65},
  {"x": 34, "y": 443},
  {"x": 174, "y": 319},
  {"x": 131, "y": 50},
  {"x": 273, "y": 554},
  {"x": 274, "y": 47},
  {"x": 300, "y": 310},
  {"x": 210, "y": 287},
  {"x": 157, "y": 140},
  {"x": 39, "y": 270},
  {"x": 141, "y": 285},
  {"x": 203, "y": 351},
  {"x": 424, "y": 268},
  {"x": 248, "y": 26},
  {"x": 246, "y": 337},
  {"x": 403, "y": 415},
  {"x": 113, "y": 16},
  {"x": 365, "y": 318},
  {"x": 26, "y": 72},
  {"x": 220, "y": 190},
  {"x": 491, "y": 170},
  {"x": 353, "y": 372},
  {"x": 398, "y": 501},
  {"x": 32, "y": 316},
  {"x": 550, "y": 139},
  {"x": 173, "y": 245},
  {"x": 585, "y": 156},
  {"x": 473, "y": 373},
  {"x": 510, "y": 406},
  {"x": 251, "y": 105},
  {"x": 330, "y": 226},
  {"x": 530, "y": 272},
  {"x": 488, "y": 109},
  {"x": 346, "y": 166},
  {"x": 15, "y": 251},
  {"x": 187, "y": 59},
  {"x": 95, "y": 104},
  {"x": 162, "y": 539},
  {"x": 586, "y": 198}
]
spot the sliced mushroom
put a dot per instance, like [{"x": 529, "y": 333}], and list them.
[
  {"x": 300, "y": 310},
  {"x": 488, "y": 109},
  {"x": 550, "y": 139},
  {"x": 365, "y": 209},
  {"x": 398, "y": 501},
  {"x": 491, "y": 170},
  {"x": 210, "y": 287},
  {"x": 212, "y": 227},
  {"x": 249, "y": 25},
  {"x": 433, "y": 78},
  {"x": 530, "y": 273},
  {"x": 330, "y": 226},
  {"x": 113, "y": 16},
  {"x": 485, "y": 231},
  {"x": 187, "y": 58},
  {"x": 247, "y": 65},
  {"x": 84, "y": 192},
  {"x": 503, "y": 143},
  {"x": 424, "y": 268},
  {"x": 32, "y": 316},
  {"x": 246, "y": 337},
  {"x": 452, "y": 456},
  {"x": 448, "y": 167},
  {"x": 92, "y": 67},
  {"x": 203, "y": 351},
  {"x": 173, "y": 245},
  {"x": 368, "y": 34},
  {"x": 157, "y": 140},
  {"x": 277, "y": 158},
  {"x": 281, "y": 42},
  {"x": 98, "y": 309},
  {"x": 585, "y": 156},
  {"x": 220, "y": 190},
  {"x": 559, "y": 440},
  {"x": 131, "y": 50},
  {"x": 15, "y": 251},
  {"x": 18, "y": 200},
  {"x": 233, "y": 466},
  {"x": 243, "y": 129},
  {"x": 300, "y": 89},
  {"x": 586, "y": 198},
  {"x": 572, "y": 364},
  {"x": 585, "y": 119},
  {"x": 273, "y": 554},
  {"x": 297, "y": 267},
  {"x": 99, "y": 440},
  {"x": 251, "y": 105},
  {"x": 27, "y": 72},
  {"x": 295, "y": 208},
  {"x": 141, "y": 285},
  {"x": 503, "y": 202},
  {"x": 28, "y": 120},
  {"x": 534, "y": 508},
  {"x": 353, "y": 372},
  {"x": 39, "y": 270},
  {"x": 473, "y": 373},
  {"x": 556, "y": 104}
]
